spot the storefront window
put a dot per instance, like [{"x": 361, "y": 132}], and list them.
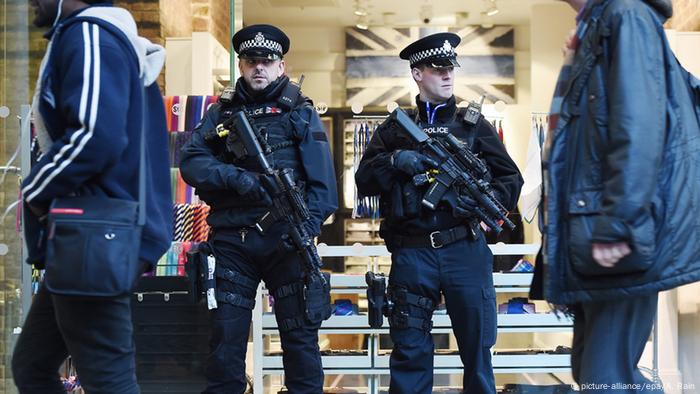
[
  {"x": 21, "y": 50},
  {"x": 347, "y": 52}
]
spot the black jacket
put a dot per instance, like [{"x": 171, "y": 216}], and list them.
[
  {"x": 215, "y": 180},
  {"x": 623, "y": 162}
]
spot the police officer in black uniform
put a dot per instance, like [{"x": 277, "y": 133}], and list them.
[
  {"x": 234, "y": 188},
  {"x": 440, "y": 251}
]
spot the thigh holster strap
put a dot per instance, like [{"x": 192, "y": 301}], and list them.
[
  {"x": 291, "y": 323},
  {"x": 287, "y": 290},
  {"x": 401, "y": 296},
  {"x": 400, "y": 319},
  {"x": 235, "y": 299},
  {"x": 236, "y": 277}
]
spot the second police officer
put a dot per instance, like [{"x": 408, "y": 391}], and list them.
[
  {"x": 441, "y": 251},
  {"x": 232, "y": 187}
]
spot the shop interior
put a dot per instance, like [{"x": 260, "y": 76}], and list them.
[{"x": 346, "y": 52}]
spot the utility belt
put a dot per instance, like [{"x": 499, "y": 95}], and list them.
[{"x": 434, "y": 240}]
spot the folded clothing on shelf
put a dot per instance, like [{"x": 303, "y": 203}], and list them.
[
  {"x": 447, "y": 390},
  {"x": 523, "y": 266},
  {"x": 517, "y": 305},
  {"x": 441, "y": 309},
  {"x": 345, "y": 307},
  {"x": 446, "y": 352},
  {"x": 560, "y": 350}
]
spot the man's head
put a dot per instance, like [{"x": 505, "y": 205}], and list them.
[
  {"x": 260, "y": 73},
  {"x": 47, "y": 12},
  {"x": 432, "y": 61},
  {"x": 260, "y": 49},
  {"x": 436, "y": 84}
]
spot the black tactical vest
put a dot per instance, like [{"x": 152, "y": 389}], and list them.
[
  {"x": 277, "y": 130},
  {"x": 402, "y": 207}
]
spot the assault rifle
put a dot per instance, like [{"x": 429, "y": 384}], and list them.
[
  {"x": 459, "y": 168},
  {"x": 287, "y": 198}
]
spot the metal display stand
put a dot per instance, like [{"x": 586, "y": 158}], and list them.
[
  {"x": 25, "y": 139},
  {"x": 373, "y": 363}
]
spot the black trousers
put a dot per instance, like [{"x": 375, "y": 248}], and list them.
[
  {"x": 96, "y": 332},
  {"x": 462, "y": 272},
  {"x": 258, "y": 257},
  {"x": 609, "y": 339}
]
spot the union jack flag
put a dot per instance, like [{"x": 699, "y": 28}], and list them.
[{"x": 376, "y": 76}]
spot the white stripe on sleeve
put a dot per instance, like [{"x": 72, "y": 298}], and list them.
[{"x": 89, "y": 41}]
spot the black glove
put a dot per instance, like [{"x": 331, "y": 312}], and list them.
[
  {"x": 288, "y": 243},
  {"x": 412, "y": 162},
  {"x": 465, "y": 207},
  {"x": 248, "y": 186}
]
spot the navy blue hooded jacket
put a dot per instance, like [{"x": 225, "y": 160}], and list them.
[
  {"x": 88, "y": 111},
  {"x": 623, "y": 161}
]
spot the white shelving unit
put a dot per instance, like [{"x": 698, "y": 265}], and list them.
[{"x": 374, "y": 362}]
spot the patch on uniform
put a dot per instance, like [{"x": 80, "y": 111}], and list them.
[
  {"x": 436, "y": 130},
  {"x": 273, "y": 110},
  {"x": 320, "y": 136}
]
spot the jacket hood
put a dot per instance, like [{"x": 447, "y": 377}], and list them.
[
  {"x": 151, "y": 56},
  {"x": 663, "y": 7}
]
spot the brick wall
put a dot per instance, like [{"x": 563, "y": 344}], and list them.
[
  {"x": 212, "y": 16},
  {"x": 147, "y": 16},
  {"x": 176, "y": 18},
  {"x": 686, "y": 15},
  {"x": 221, "y": 26},
  {"x": 158, "y": 19}
]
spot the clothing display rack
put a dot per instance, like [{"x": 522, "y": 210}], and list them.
[{"x": 363, "y": 128}]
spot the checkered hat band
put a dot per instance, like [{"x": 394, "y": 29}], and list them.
[
  {"x": 273, "y": 46},
  {"x": 440, "y": 52}
]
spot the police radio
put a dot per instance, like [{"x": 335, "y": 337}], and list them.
[
  {"x": 474, "y": 111},
  {"x": 226, "y": 96},
  {"x": 290, "y": 94}
]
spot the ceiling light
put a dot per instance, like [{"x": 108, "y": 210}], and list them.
[
  {"x": 492, "y": 8},
  {"x": 362, "y": 23},
  {"x": 360, "y": 8},
  {"x": 486, "y": 21}
]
